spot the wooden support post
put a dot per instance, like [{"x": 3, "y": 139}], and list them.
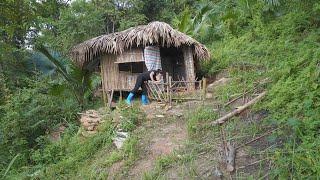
[
  {"x": 110, "y": 99},
  {"x": 189, "y": 66},
  {"x": 102, "y": 84},
  {"x": 120, "y": 95},
  {"x": 204, "y": 88}
]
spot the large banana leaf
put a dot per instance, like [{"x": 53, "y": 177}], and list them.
[{"x": 77, "y": 80}]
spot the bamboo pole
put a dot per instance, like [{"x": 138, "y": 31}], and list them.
[
  {"x": 162, "y": 95},
  {"x": 151, "y": 92},
  {"x": 158, "y": 94},
  {"x": 103, "y": 85},
  {"x": 110, "y": 98}
]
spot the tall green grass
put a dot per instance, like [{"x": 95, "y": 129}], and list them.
[{"x": 287, "y": 51}]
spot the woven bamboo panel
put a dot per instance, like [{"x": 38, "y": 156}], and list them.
[
  {"x": 130, "y": 55},
  {"x": 113, "y": 78},
  {"x": 122, "y": 80},
  {"x": 189, "y": 66}
]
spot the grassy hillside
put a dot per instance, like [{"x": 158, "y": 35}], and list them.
[
  {"x": 285, "y": 50},
  {"x": 251, "y": 41}
]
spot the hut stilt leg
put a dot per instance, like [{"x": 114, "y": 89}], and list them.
[
  {"x": 110, "y": 98},
  {"x": 120, "y": 96},
  {"x": 102, "y": 84}
]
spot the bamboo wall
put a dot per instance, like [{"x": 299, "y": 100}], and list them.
[
  {"x": 113, "y": 79},
  {"x": 189, "y": 65},
  {"x": 131, "y": 55}
]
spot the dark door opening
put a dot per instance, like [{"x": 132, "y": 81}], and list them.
[{"x": 172, "y": 62}]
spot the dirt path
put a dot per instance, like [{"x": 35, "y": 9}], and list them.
[
  {"x": 165, "y": 135},
  {"x": 165, "y": 131}
]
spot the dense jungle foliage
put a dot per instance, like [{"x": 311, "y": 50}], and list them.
[{"x": 40, "y": 88}]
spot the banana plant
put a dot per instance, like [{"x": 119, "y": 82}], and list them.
[
  {"x": 77, "y": 80},
  {"x": 209, "y": 16}
]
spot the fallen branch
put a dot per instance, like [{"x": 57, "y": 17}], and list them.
[
  {"x": 257, "y": 138},
  {"x": 241, "y": 95},
  {"x": 241, "y": 167},
  {"x": 259, "y": 83},
  {"x": 239, "y": 110}
]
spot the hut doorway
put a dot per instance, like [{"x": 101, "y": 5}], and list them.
[{"x": 172, "y": 62}]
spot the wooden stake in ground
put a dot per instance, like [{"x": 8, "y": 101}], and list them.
[
  {"x": 230, "y": 157},
  {"x": 204, "y": 88},
  {"x": 239, "y": 110},
  {"x": 110, "y": 98}
]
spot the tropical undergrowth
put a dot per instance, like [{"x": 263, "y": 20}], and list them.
[{"x": 76, "y": 156}]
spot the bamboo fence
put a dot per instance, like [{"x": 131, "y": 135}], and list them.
[{"x": 180, "y": 90}]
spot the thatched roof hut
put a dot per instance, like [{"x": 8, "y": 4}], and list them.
[{"x": 121, "y": 56}]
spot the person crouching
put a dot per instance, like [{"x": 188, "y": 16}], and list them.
[{"x": 153, "y": 75}]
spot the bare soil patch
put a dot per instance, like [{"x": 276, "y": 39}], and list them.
[{"x": 163, "y": 139}]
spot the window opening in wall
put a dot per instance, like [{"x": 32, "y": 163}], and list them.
[{"x": 133, "y": 67}]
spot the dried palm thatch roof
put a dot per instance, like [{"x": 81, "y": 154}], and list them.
[{"x": 155, "y": 32}]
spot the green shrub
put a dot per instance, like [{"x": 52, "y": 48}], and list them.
[
  {"x": 66, "y": 157},
  {"x": 30, "y": 113}
]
